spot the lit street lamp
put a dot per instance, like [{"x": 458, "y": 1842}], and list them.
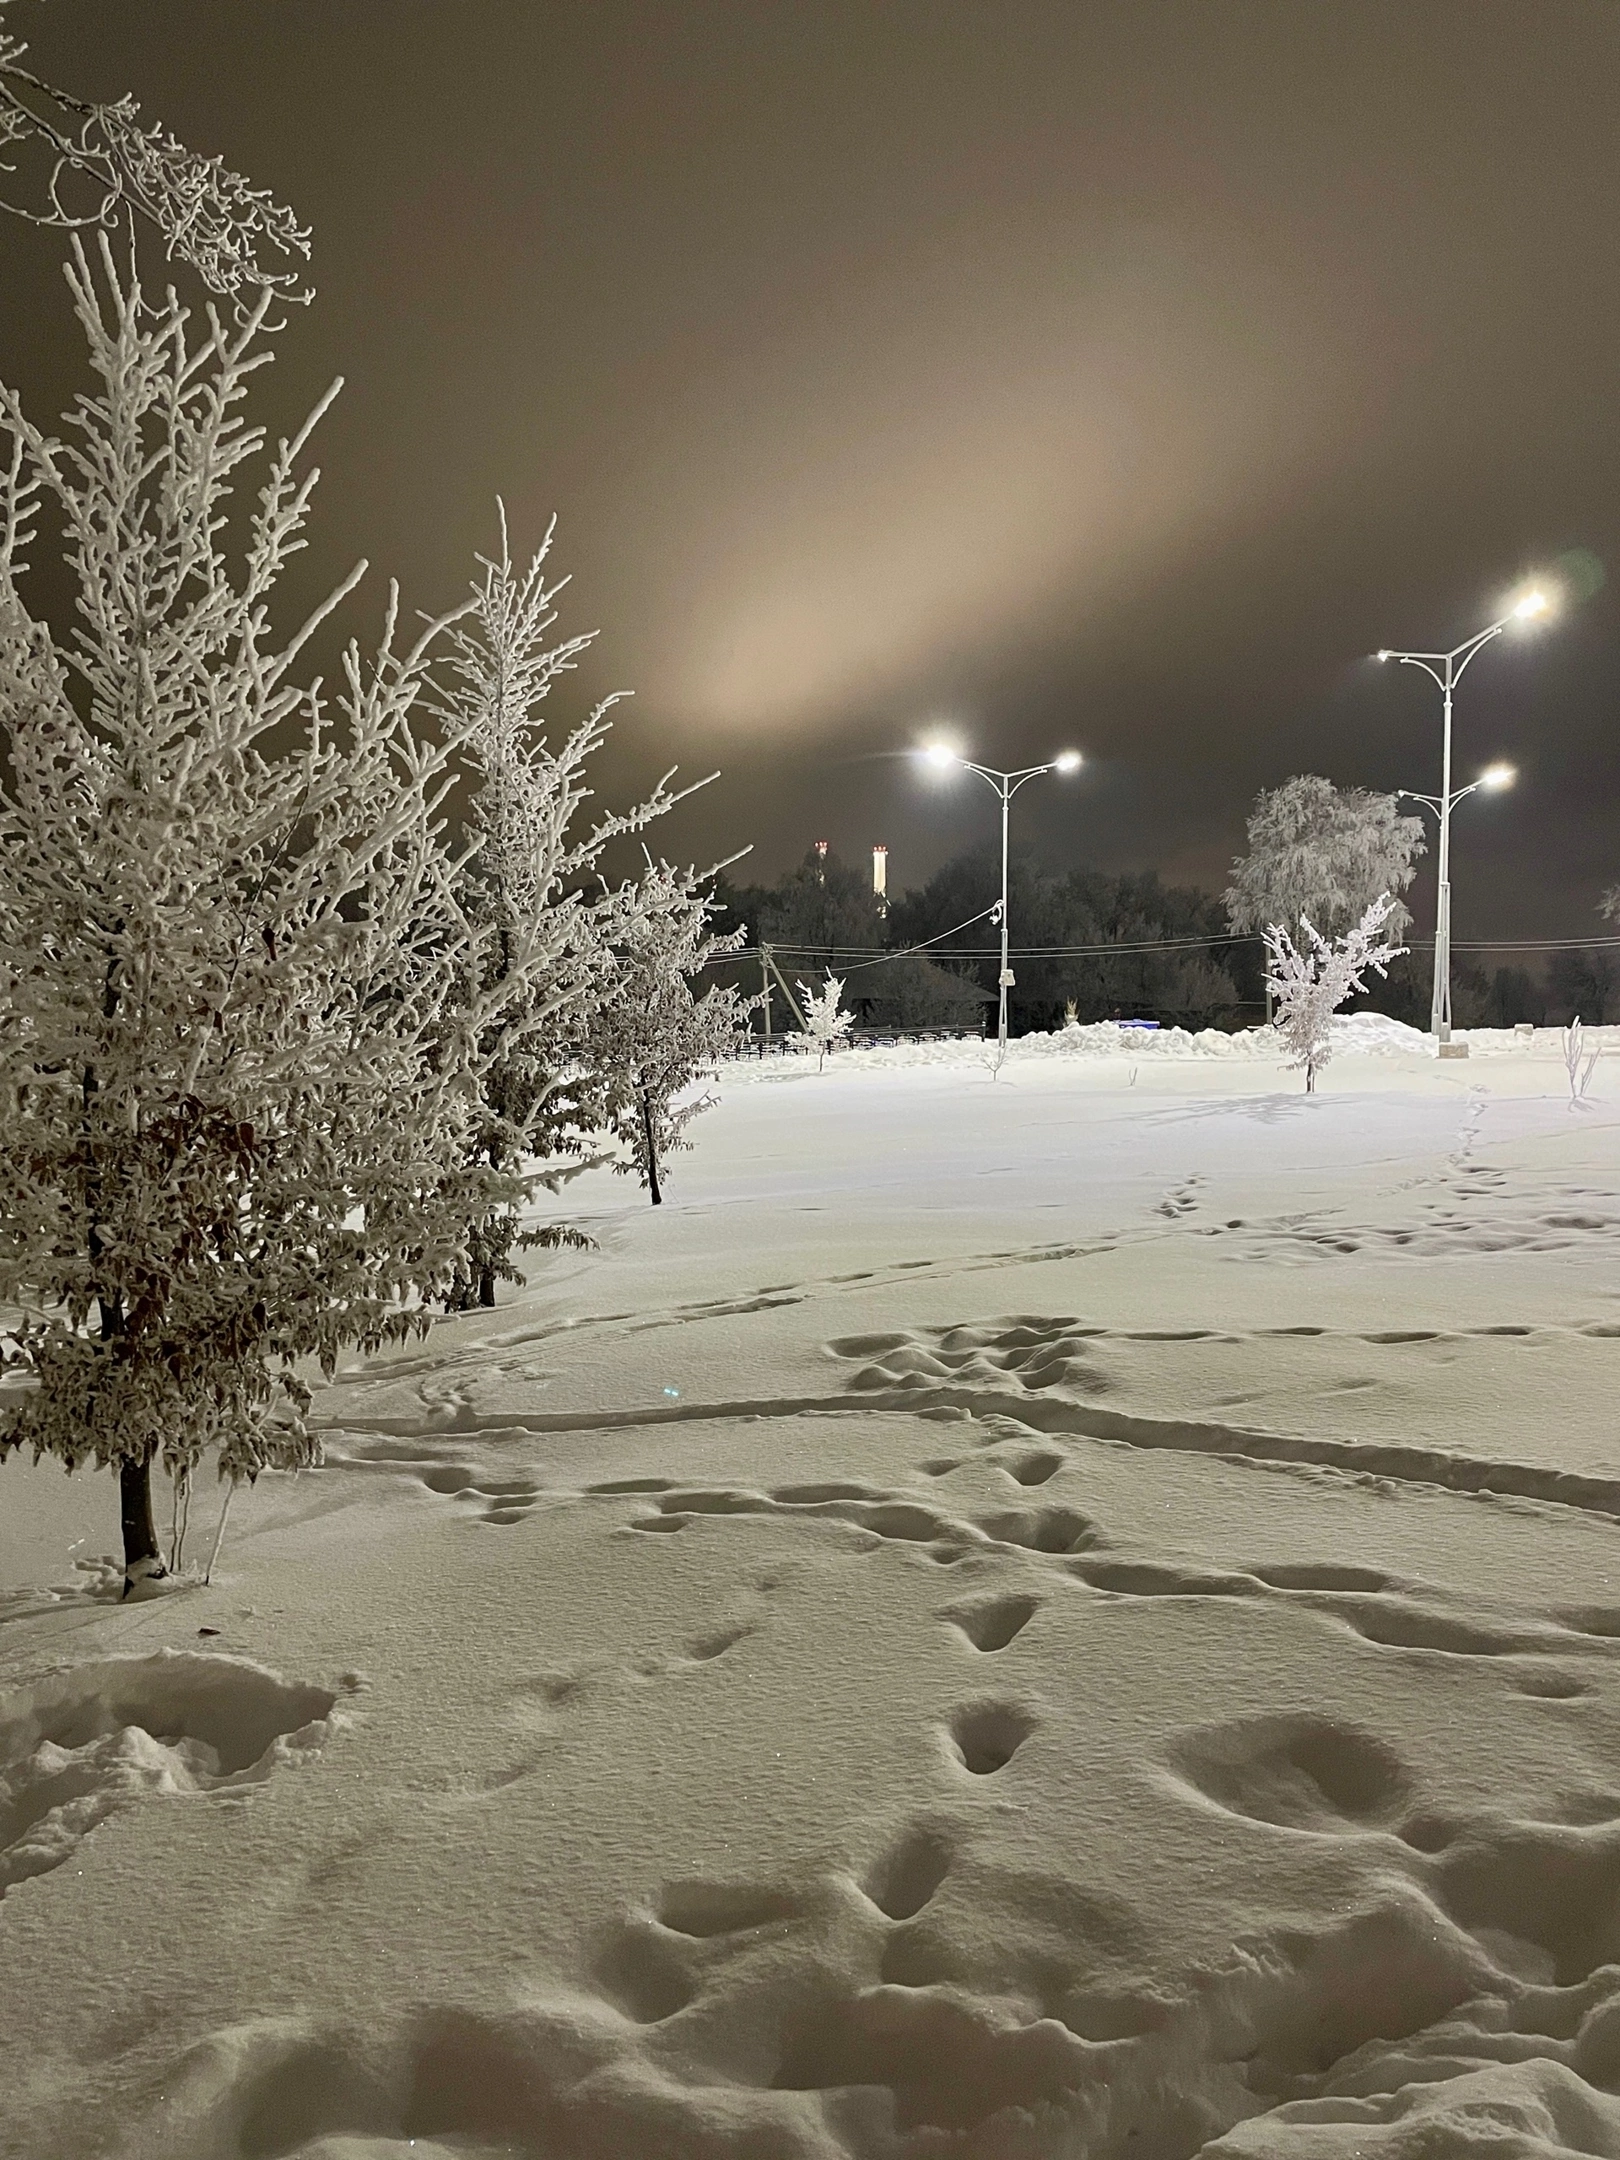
[
  {"x": 1447, "y": 668},
  {"x": 1006, "y": 785}
]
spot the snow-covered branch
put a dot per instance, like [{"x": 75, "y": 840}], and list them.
[{"x": 235, "y": 236}]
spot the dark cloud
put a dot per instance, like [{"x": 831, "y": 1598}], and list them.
[{"x": 1118, "y": 374}]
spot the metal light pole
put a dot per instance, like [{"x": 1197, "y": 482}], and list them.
[
  {"x": 1493, "y": 778},
  {"x": 1006, "y": 785},
  {"x": 1447, "y": 669}
]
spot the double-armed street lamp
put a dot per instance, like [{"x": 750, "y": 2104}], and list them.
[
  {"x": 1446, "y": 669},
  {"x": 1493, "y": 779},
  {"x": 1006, "y": 784}
]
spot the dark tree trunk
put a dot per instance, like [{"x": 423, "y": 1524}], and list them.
[
  {"x": 652, "y": 1148},
  {"x": 142, "y": 1561},
  {"x": 486, "y": 1286}
]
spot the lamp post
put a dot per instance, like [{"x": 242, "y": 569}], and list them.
[
  {"x": 1492, "y": 780},
  {"x": 1447, "y": 669},
  {"x": 1006, "y": 785}
]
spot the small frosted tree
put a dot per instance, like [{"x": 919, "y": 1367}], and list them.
[
  {"x": 535, "y": 882},
  {"x": 1579, "y": 1063},
  {"x": 1311, "y": 980},
  {"x": 825, "y": 1027},
  {"x": 652, "y": 1037},
  {"x": 1323, "y": 852},
  {"x": 244, "y": 1015}
]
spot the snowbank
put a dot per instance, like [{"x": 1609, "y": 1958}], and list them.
[{"x": 1365, "y": 1034}]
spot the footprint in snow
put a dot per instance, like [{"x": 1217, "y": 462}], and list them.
[
  {"x": 77, "y": 1745},
  {"x": 984, "y": 1737},
  {"x": 904, "y": 1879},
  {"x": 1299, "y": 1772},
  {"x": 991, "y": 1626}
]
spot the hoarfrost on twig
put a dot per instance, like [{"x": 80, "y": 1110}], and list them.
[{"x": 228, "y": 231}]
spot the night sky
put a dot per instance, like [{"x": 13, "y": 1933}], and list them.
[{"x": 1107, "y": 374}]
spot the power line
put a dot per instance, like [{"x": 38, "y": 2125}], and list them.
[{"x": 860, "y": 956}]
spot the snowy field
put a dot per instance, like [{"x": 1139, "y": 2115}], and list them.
[{"x": 1076, "y": 1615}]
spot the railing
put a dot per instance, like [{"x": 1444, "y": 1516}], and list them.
[{"x": 867, "y": 1038}]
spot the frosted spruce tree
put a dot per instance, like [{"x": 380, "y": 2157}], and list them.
[
  {"x": 1324, "y": 852},
  {"x": 1311, "y": 980},
  {"x": 535, "y": 882},
  {"x": 243, "y": 1021},
  {"x": 824, "y": 1025},
  {"x": 652, "y": 1037}
]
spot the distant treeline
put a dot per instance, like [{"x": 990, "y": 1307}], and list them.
[{"x": 824, "y": 916}]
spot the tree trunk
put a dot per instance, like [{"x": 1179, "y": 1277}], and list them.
[
  {"x": 652, "y": 1148},
  {"x": 142, "y": 1562},
  {"x": 486, "y": 1286}
]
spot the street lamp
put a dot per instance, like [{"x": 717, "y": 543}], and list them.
[
  {"x": 1006, "y": 784},
  {"x": 1492, "y": 780},
  {"x": 1446, "y": 669}
]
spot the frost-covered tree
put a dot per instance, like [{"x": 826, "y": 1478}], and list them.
[
  {"x": 1311, "y": 980},
  {"x": 1579, "y": 1063},
  {"x": 102, "y": 168},
  {"x": 824, "y": 1025},
  {"x": 243, "y": 1020},
  {"x": 652, "y": 1037},
  {"x": 1324, "y": 852},
  {"x": 536, "y": 882}
]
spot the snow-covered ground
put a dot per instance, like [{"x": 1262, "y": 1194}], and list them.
[{"x": 1076, "y": 1614}]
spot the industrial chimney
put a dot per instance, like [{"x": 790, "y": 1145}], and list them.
[{"x": 880, "y": 877}]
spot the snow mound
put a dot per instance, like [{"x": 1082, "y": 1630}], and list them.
[
  {"x": 1365, "y": 1034},
  {"x": 78, "y": 1744}
]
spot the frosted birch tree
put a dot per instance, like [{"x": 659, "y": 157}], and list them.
[
  {"x": 1312, "y": 979},
  {"x": 1324, "y": 852},
  {"x": 653, "y": 1037},
  {"x": 242, "y": 1016},
  {"x": 825, "y": 1027},
  {"x": 536, "y": 883}
]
